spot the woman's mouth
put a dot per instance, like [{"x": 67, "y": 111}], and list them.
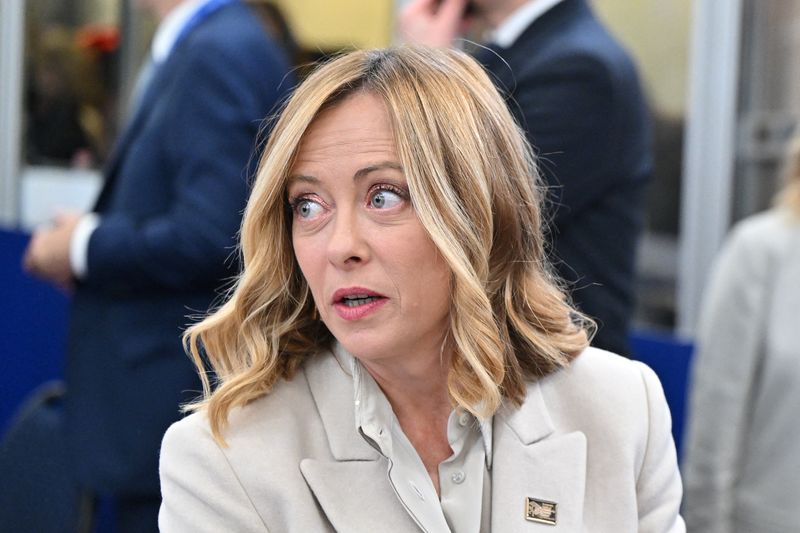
[{"x": 355, "y": 303}]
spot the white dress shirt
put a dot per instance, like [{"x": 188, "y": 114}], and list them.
[
  {"x": 464, "y": 478},
  {"x": 512, "y": 27}
]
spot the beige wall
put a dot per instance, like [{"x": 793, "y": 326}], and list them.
[
  {"x": 333, "y": 24},
  {"x": 657, "y": 33},
  {"x": 102, "y": 11}
]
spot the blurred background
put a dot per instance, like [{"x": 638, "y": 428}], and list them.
[{"x": 721, "y": 79}]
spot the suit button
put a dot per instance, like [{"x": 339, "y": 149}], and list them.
[{"x": 458, "y": 477}]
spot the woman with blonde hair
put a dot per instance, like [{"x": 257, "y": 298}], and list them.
[
  {"x": 396, "y": 355},
  {"x": 742, "y": 464}
]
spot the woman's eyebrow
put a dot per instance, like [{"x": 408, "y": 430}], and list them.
[
  {"x": 361, "y": 173},
  {"x": 301, "y": 178}
]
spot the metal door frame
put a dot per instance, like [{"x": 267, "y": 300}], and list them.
[
  {"x": 709, "y": 149},
  {"x": 12, "y": 23}
]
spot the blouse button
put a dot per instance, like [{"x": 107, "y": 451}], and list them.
[
  {"x": 458, "y": 477},
  {"x": 463, "y": 419}
]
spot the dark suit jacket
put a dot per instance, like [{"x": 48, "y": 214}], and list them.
[
  {"x": 171, "y": 206},
  {"x": 576, "y": 93}
]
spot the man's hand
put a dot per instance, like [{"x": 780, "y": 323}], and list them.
[
  {"x": 47, "y": 256},
  {"x": 432, "y": 22}
]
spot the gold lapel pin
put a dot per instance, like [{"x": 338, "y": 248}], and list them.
[{"x": 540, "y": 511}]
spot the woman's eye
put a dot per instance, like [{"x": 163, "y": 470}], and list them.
[
  {"x": 307, "y": 209},
  {"x": 385, "y": 199}
]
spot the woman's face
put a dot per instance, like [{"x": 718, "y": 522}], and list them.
[{"x": 379, "y": 282}]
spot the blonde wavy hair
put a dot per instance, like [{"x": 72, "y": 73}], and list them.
[
  {"x": 474, "y": 185},
  {"x": 789, "y": 195}
]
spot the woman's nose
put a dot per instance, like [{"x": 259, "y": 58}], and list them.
[{"x": 347, "y": 245}]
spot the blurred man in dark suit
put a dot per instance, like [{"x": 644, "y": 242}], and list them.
[
  {"x": 576, "y": 93},
  {"x": 157, "y": 246}
]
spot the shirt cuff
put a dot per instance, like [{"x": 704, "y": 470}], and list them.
[{"x": 79, "y": 244}]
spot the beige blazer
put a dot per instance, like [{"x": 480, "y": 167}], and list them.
[{"x": 593, "y": 438}]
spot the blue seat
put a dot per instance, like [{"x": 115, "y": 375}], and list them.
[
  {"x": 670, "y": 358},
  {"x": 37, "y": 493}
]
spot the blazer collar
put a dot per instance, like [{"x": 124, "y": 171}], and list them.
[
  {"x": 331, "y": 386},
  {"x": 533, "y": 460},
  {"x": 530, "y": 422},
  {"x": 353, "y": 487}
]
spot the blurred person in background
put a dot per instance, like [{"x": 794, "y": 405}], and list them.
[
  {"x": 576, "y": 93},
  {"x": 156, "y": 246},
  {"x": 742, "y": 462},
  {"x": 54, "y": 133}
]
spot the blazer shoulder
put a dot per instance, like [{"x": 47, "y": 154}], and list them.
[
  {"x": 573, "y": 45},
  {"x": 753, "y": 250},
  {"x": 288, "y": 403},
  {"x": 186, "y": 439},
  {"x": 200, "y": 488},
  {"x": 232, "y": 27},
  {"x": 235, "y": 39},
  {"x": 765, "y": 233},
  {"x": 277, "y": 409},
  {"x": 602, "y": 389},
  {"x": 620, "y": 407},
  {"x": 601, "y": 369},
  {"x": 190, "y": 427}
]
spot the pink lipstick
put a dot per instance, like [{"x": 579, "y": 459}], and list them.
[{"x": 353, "y": 303}]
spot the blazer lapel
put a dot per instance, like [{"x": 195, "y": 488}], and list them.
[
  {"x": 356, "y": 496},
  {"x": 353, "y": 488},
  {"x": 531, "y": 461}
]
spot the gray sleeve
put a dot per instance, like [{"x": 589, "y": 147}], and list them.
[{"x": 729, "y": 344}]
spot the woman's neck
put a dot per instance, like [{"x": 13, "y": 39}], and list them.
[
  {"x": 420, "y": 400},
  {"x": 415, "y": 387}
]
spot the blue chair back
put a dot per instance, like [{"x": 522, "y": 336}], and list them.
[{"x": 670, "y": 358}]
